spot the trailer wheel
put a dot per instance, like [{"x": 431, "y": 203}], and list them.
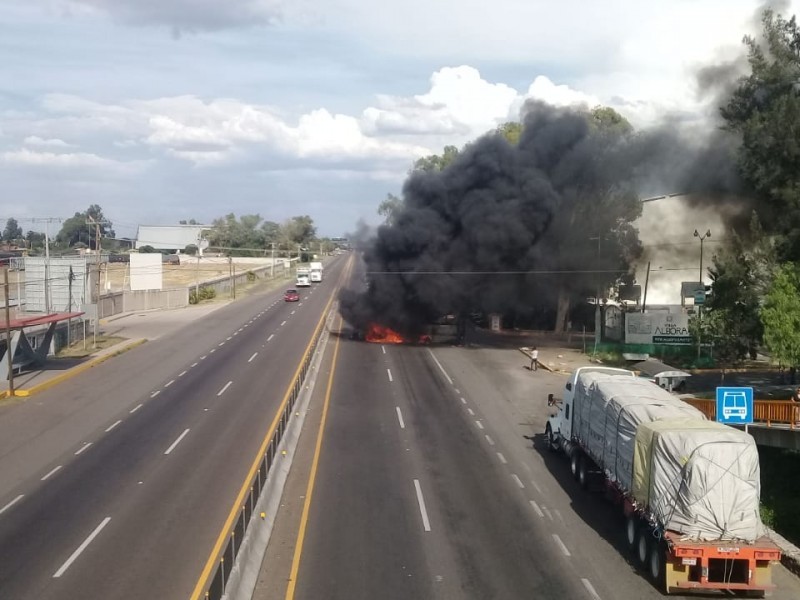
[
  {"x": 583, "y": 472},
  {"x": 655, "y": 564},
  {"x": 643, "y": 544},
  {"x": 631, "y": 531},
  {"x": 574, "y": 462}
]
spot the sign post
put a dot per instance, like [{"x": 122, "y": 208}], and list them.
[{"x": 735, "y": 406}]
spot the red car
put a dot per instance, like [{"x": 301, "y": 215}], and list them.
[{"x": 291, "y": 296}]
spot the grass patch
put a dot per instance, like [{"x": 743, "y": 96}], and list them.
[
  {"x": 780, "y": 489},
  {"x": 77, "y": 350}
]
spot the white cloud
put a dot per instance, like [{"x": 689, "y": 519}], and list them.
[
  {"x": 30, "y": 158},
  {"x": 37, "y": 142}
]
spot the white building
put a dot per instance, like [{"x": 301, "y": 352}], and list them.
[{"x": 170, "y": 237}]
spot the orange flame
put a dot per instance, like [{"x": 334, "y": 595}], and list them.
[{"x": 383, "y": 335}]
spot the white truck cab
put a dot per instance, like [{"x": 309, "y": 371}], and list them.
[{"x": 559, "y": 424}]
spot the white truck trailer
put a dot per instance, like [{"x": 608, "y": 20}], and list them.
[
  {"x": 316, "y": 271},
  {"x": 689, "y": 488},
  {"x": 303, "y": 277}
]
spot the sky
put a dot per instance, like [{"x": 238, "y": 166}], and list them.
[{"x": 163, "y": 110}]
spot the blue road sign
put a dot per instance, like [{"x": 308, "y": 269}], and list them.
[{"x": 735, "y": 405}]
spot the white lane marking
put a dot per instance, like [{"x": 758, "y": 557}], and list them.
[
  {"x": 194, "y": 364},
  {"x": 458, "y": 391},
  {"x": 301, "y": 304},
  {"x": 463, "y": 401},
  {"x": 182, "y": 373},
  {"x": 235, "y": 333},
  {"x": 590, "y": 588},
  {"x": 536, "y": 485},
  {"x": 548, "y": 513},
  {"x": 284, "y": 323},
  {"x": 220, "y": 344},
  {"x": 400, "y": 418},
  {"x": 502, "y": 458},
  {"x": 203, "y": 357},
  {"x": 252, "y": 357},
  {"x": 471, "y": 412},
  {"x": 537, "y": 509},
  {"x": 12, "y": 503},
  {"x": 561, "y": 545},
  {"x": 490, "y": 440},
  {"x": 383, "y": 348},
  {"x": 222, "y": 391},
  {"x": 518, "y": 480},
  {"x": 81, "y": 548},
  {"x": 82, "y": 448},
  {"x": 110, "y": 427},
  {"x": 479, "y": 424},
  {"x": 271, "y": 336},
  {"x": 156, "y": 393},
  {"x": 53, "y": 472},
  {"x": 213, "y": 350},
  {"x": 176, "y": 442},
  {"x": 426, "y": 524},
  {"x": 293, "y": 312},
  {"x": 441, "y": 368},
  {"x": 228, "y": 339},
  {"x": 137, "y": 407},
  {"x": 389, "y": 371},
  {"x": 171, "y": 381}
]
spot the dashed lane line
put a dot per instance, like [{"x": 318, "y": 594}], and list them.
[
  {"x": 479, "y": 424},
  {"x": 252, "y": 357},
  {"x": 561, "y": 545},
  {"x": 471, "y": 412},
  {"x": 154, "y": 394},
  {"x": 441, "y": 368},
  {"x": 518, "y": 481},
  {"x": 137, "y": 407},
  {"x": 400, "y": 418},
  {"x": 83, "y": 448},
  {"x": 225, "y": 387},
  {"x": 176, "y": 442},
  {"x": 110, "y": 427},
  {"x": 426, "y": 524},
  {"x": 590, "y": 588},
  {"x": 272, "y": 335},
  {"x": 489, "y": 440},
  {"x": 502, "y": 458},
  {"x": 537, "y": 509},
  {"x": 171, "y": 381},
  {"x": 389, "y": 372},
  {"x": 12, "y": 503},
  {"x": 81, "y": 548},
  {"x": 182, "y": 373},
  {"x": 51, "y": 473}
]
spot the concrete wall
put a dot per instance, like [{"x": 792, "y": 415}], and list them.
[{"x": 127, "y": 301}]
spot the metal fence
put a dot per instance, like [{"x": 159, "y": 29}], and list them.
[
  {"x": 227, "y": 556},
  {"x": 764, "y": 411}
]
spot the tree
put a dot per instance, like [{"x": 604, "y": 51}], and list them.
[
  {"x": 12, "y": 231},
  {"x": 147, "y": 249},
  {"x": 765, "y": 110},
  {"x": 781, "y": 317},
  {"x": 78, "y": 229},
  {"x": 434, "y": 162},
  {"x": 741, "y": 275},
  {"x": 512, "y": 131},
  {"x": 299, "y": 230},
  {"x": 35, "y": 240},
  {"x": 191, "y": 250},
  {"x": 390, "y": 208}
]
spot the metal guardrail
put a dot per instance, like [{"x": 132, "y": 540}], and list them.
[
  {"x": 765, "y": 411},
  {"x": 227, "y": 557}
]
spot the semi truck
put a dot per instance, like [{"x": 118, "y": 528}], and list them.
[
  {"x": 316, "y": 272},
  {"x": 688, "y": 488}
]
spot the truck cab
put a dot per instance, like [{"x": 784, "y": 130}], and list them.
[{"x": 559, "y": 424}]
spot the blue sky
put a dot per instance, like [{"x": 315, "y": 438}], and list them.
[{"x": 160, "y": 110}]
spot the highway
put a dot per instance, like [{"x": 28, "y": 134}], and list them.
[
  {"x": 116, "y": 483},
  {"x": 413, "y": 479}
]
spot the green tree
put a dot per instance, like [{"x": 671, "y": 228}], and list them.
[
  {"x": 512, "y": 130},
  {"x": 147, "y": 249},
  {"x": 781, "y": 317},
  {"x": 435, "y": 162},
  {"x": 12, "y": 230},
  {"x": 299, "y": 230},
  {"x": 35, "y": 240},
  {"x": 765, "y": 110},
  {"x": 78, "y": 228},
  {"x": 390, "y": 208},
  {"x": 191, "y": 250}
]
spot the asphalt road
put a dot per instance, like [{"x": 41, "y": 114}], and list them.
[
  {"x": 116, "y": 483},
  {"x": 425, "y": 486}
]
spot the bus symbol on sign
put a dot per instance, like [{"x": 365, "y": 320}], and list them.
[{"x": 735, "y": 405}]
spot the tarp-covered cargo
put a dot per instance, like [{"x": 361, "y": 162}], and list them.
[
  {"x": 608, "y": 409},
  {"x": 699, "y": 478}
]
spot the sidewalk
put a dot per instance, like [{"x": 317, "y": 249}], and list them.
[{"x": 135, "y": 327}]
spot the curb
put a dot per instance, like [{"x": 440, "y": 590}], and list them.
[{"x": 72, "y": 372}]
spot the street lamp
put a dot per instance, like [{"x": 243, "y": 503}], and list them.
[{"x": 702, "y": 238}]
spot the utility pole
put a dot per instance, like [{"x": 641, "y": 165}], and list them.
[
  {"x": 702, "y": 238},
  {"x": 272, "y": 263},
  {"x": 47, "y": 221},
  {"x": 230, "y": 273},
  {"x": 8, "y": 338},
  {"x": 90, "y": 220}
]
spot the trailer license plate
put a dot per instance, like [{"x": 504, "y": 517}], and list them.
[{"x": 689, "y": 561}]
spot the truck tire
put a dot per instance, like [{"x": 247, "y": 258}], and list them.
[
  {"x": 631, "y": 532},
  {"x": 574, "y": 462},
  {"x": 584, "y": 472},
  {"x": 643, "y": 545},
  {"x": 655, "y": 564}
]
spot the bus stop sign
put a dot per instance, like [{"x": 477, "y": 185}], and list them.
[{"x": 735, "y": 405}]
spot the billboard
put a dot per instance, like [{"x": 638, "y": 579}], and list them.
[
  {"x": 657, "y": 328},
  {"x": 146, "y": 271},
  {"x": 59, "y": 283}
]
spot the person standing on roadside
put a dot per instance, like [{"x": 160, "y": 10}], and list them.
[
  {"x": 534, "y": 358},
  {"x": 795, "y": 399}
]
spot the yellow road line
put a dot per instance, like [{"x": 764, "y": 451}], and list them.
[
  {"x": 301, "y": 534},
  {"x": 213, "y": 559}
]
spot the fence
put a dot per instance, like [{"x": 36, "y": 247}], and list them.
[
  {"x": 226, "y": 557},
  {"x": 764, "y": 411}
]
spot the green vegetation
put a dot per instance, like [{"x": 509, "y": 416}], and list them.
[
  {"x": 77, "y": 349},
  {"x": 780, "y": 489},
  {"x": 205, "y": 293}
]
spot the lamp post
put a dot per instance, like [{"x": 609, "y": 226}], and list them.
[{"x": 702, "y": 238}]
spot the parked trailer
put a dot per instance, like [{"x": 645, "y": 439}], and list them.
[{"x": 688, "y": 487}]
